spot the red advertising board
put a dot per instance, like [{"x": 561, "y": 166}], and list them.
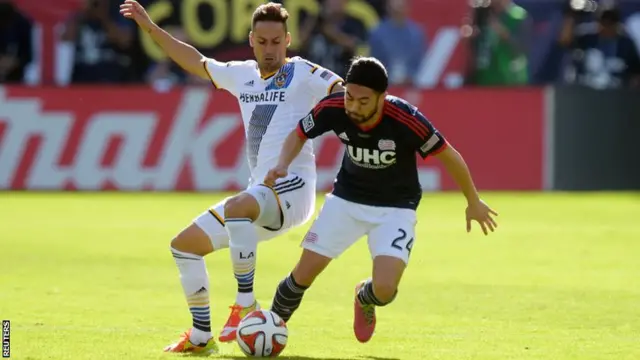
[
  {"x": 92, "y": 138},
  {"x": 499, "y": 132}
]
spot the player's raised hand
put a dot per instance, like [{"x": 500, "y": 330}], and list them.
[
  {"x": 131, "y": 9},
  {"x": 275, "y": 174},
  {"x": 481, "y": 212}
]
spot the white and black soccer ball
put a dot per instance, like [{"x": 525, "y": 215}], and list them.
[{"x": 262, "y": 333}]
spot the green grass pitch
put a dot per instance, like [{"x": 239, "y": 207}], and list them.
[{"x": 90, "y": 276}]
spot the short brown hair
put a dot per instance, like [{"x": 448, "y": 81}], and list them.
[{"x": 270, "y": 12}]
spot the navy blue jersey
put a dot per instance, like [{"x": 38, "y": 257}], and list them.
[{"x": 379, "y": 165}]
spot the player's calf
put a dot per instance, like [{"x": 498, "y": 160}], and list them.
[
  {"x": 188, "y": 249},
  {"x": 290, "y": 291},
  {"x": 310, "y": 265},
  {"x": 288, "y": 297},
  {"x": 387, "y": 273},
  {"x": 240, "y": 212}
]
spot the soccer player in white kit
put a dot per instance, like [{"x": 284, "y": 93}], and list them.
[{"x": 274, "y": 92}]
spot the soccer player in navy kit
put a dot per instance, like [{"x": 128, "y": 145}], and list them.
[{"x": 376, "y": 192}]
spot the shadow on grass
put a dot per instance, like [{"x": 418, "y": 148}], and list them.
[
  {"x": 294, "y": 357},
  {"x": 291, "y": 357}
]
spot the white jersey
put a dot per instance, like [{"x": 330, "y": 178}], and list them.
[{"x": 272, "y": 106}]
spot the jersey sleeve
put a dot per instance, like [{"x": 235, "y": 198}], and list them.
[
  {"x": 222, "y": 74},
  {"x": 426, "y": 139},
  {"x": 322, "y": 81},
  {"x": 316, "y": 123}
]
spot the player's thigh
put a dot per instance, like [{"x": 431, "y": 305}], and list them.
[
  {"x": 297, "y": 199},
  {"x": 335, "y": 229},
  {"x": 211, "y": 223},
  {"x": 394, "y": 235},
  {"x": 192, "y": 240},
  {"x": 289, "y": 203}
]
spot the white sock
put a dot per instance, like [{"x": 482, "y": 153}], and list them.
[
  {"x": 245, "y": 299},
  {"x": 195, "y": 283},
  {"x": 243, "y": 243}
]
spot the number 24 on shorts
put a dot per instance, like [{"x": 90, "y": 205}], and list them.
[{"x": 398, "y": 243}]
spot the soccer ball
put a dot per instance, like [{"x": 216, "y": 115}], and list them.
[{"x": 262, "y": 333}]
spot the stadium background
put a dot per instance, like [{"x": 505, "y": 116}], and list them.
[
  {"x": 60, "y": 135},
  {"x": 88, "y": 274}
]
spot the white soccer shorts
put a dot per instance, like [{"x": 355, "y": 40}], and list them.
[
  {"x": 390, "y": 231},
  {"x": 289, "y": 204}
]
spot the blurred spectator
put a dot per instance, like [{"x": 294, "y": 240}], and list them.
[
  {"x": 581, "y": 17},
  {"x": 546, "y": 52},
  {"x": 500, "y": 37},
  {"x": 399, "y": 43},
  {"x": 102, "y": 39},
  {"x": 332, "y": 38},
  {"x": 15, "y": 43},
  {"x": 601, "y": 56},
  {"x": 165, "y": 74}
]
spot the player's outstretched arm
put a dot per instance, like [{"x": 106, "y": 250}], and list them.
[
  {"x": 290, "y": 149},
  {"x": 476, "y": 209},
  {"x": 183, "y": 54},
  {"x": 458, "y": 169}
]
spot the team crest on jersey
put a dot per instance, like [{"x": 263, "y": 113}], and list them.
[
  {"x": 386, "y": 145},
  {"x": 283, "y": 78},
  {"x": 280, "y": 80},
  {"x": 307, "y": 123}
]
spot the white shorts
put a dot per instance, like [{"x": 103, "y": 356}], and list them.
[
  {"x": 390, "y": 231},
  {"x": 290, "y": 203}
]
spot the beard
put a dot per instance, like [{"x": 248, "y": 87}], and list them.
[{"x": 360, "y": 119}]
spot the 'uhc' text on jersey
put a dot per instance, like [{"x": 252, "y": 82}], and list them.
[
  {"x": 371, "y": 158},
  {"x": 379, "y": 167}
]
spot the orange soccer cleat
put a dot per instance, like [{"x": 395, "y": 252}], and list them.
[
  {"x": 184, "y": 345},
  {"x": 238, "y": 312}
]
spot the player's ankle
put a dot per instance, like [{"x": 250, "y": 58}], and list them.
[
  {"x": 245, "y": 299},
  {"x": 199, "y": 337}
]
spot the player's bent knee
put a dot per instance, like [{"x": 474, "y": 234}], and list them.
[
  {"x": 311, "y": 264},
  {"x": 192, "y": 240},
  {"x": 385, "y": 291},
  {"x": 242, "y": 206},
  {"x": 387, "y": 273}
]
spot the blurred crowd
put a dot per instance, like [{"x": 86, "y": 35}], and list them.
[{"x": 590, "y": 44}]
